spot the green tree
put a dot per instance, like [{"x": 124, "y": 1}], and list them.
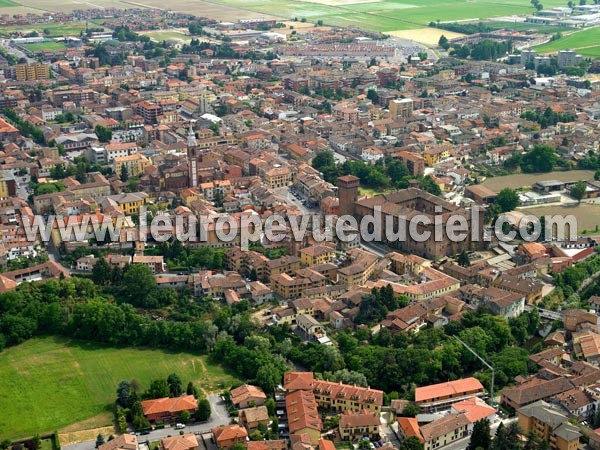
[
  {"x": 101, "y": 272},
  {"x": 123, "y": 394},
  {"x": 99, "y": 440},
  {"x": 204, "y": 411},
  {"x": 463, "y": 259},
  {"x": 507, "y": 199},
  {"x": 410, "y": 410},
  {"x": 481, "y": 437},
  {"x": 103, "y": 133},
  {"x": 124, "y": 175},
  {"x": 175, "y": 386},
  {"x": 411, "y": 443},
  {"x": 191, "y": 389},
  {"x": 443, "y": 42},
  {"x": 138, "y": 283},
  {"x": 158, "y": 389},
  {"x": 185, "y": 416},
  {"x": 578, "y": 191}
]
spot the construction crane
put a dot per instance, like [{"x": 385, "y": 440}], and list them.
[{"x": 484, "y": 363}]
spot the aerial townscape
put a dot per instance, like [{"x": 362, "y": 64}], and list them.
[{"x": 310, "y": 225}]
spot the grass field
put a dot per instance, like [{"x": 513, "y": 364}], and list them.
[
  {"x": 586, "y": 42},
  {"x": 7, "y": 4},
  {"x": 50, "y": 383},
  {"x": 163, "y": 35},
  {"x": 55, "y": 29},
  {"x": 46, "y": 45},
  {"x": 525, "y": 180}
]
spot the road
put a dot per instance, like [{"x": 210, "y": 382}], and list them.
[
  {"x": 218, "y": 417},
  {"x": 546, "y": 313},
  {"x": 14, "y": 51}
]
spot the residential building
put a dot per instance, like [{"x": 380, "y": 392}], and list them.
[
  {"x": 169, "y": 408},
  {"x": 354, "y": 425},
  {"x": 549, "y": 424}
]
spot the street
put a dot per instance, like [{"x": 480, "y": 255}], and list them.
[{"x": 218, "y": 417}]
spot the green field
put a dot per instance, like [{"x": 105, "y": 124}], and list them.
[
  {"x": 54, "y": 29},
  {"x": 46, "y": 45},
  {"x": 49, "y": 383},
  {"x": 7, "y": 4},
  {"x": 586, "y": 42}
]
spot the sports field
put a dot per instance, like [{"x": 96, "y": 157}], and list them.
[
  {"x": 50, "y": 383},
  {"x": 586, "y": 42}
]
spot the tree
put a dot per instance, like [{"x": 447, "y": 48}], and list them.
[
  {"x": 372, "y": 95},
  {"x": 238, "y": 446},
  {"x": 578, "y": 191},
  {"x": 158, "y": 389},
  {"x": 124, "y": 175},
  {"x": 463, "y": 259},
  {"x": 480, "y": 438},
  {"x": 204, "y": 411},
  {"x": 123, "y": 394},
  {"x": 175, "y": 387},
  {"x": 103, "y": 133},
  {"x": 191, "y": 389},
  {"x": 443, "y": 42},
  {"x": 410, "y": 410},
  {"x": 101, "y": 272},
  {"x": 185, "y": 416},
  {"x": 270, "y": 405},
  {"x": 99, "y": 440},
  {"x": 138, "y": 283},
  {"x": 411, "y": 443},
  {"x": 507, "y": 199}
]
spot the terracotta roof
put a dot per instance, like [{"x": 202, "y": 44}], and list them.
[
  {"x": 410, "y": 427},
  {"x": 125, "y": 442},
  {"x": 443, "y": 426},
  {"x": 169, "y": 405},
  {"x": 302, "y": 411},
  {"x": 245, "y": 392},
  {"x": 228, "y": 432},
  {"x": 183, "y": 442},
  {"x": 474, "y": 409},
  {"x": 298, "y": 380},
  {"x": 448, "y": 389}
]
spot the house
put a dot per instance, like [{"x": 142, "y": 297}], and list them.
[
  {"x": 181, "y": 442},
  {"x": 576, "y": 403},
  {"x": 227, "y": 435},
  {"x": 169, "y": 408},
  {"x": 409, "y": 427},
  {"x": 357, "y": 425},
  {"x": 251, "y": 418},
  {"x": 155, "y": 263},
  {"x": 247, "y": 395},
  {"x": 442, "y": 395},
  {"x": 123, "y": 442},
  {"x": 549, "y": 424},
  {"x": 443, "y": 431}
]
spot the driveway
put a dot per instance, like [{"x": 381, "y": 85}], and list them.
[{"x": 218, "y": 417}]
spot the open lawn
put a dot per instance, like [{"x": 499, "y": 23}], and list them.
[
  {"x": 50, "y": 383},
  {"x": 164, "y": 35},
  {"x": 46, "y": 45},
  {"x": 586, "y": 42},
  {"x": 525, "y": 180}
]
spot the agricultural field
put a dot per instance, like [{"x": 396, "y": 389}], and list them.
[
  {"x": 46, "y": 45},
  {"x": 586, "y": 42},
  {"x": 525, "y": 180},
  {"x": 51, "y": 383}
]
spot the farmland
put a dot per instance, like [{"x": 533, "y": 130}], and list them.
[
  {"x": 384, "y": 15},
  {"x": 585, "y": 42},
  {"x": 50, "y": 383}
]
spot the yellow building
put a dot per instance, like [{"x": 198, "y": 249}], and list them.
[
  {"x": 7, "y": 187},
  {"x": 130, "y": 203},
  {"x": 550, "y": 425},
  {"x": 359, "y": 271},
  {"x": 435, "y": 155},
  {"x": 33, "y": 71},
  {"x": 317, "y": 254},
  {"x": 278, "y": 177},
  {"x": 135, "y": 164}
]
